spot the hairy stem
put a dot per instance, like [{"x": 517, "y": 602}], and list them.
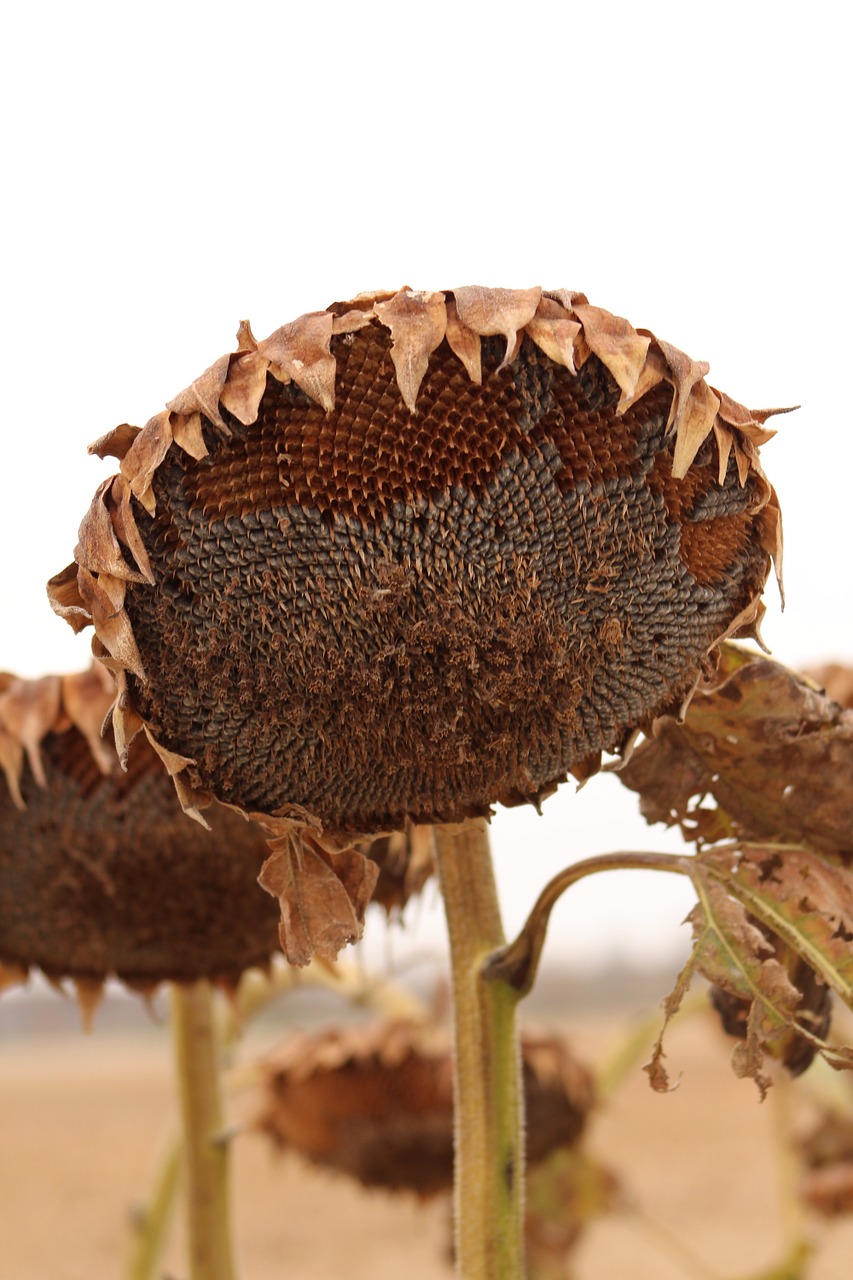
[
  {"x": 489, "y": 1159},
  {"x": 517, "y": 963},
  {"x": 205, "y": 1159}
]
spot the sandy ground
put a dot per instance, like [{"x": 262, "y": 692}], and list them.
[{"x": 83, "y": 1120}]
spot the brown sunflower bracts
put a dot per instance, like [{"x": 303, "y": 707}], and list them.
[
  {"x": 416, "y": 555},
  {"x": 100, "y": 872}
]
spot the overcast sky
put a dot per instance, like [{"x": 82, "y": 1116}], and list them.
[{"x": 172, "y": 168}]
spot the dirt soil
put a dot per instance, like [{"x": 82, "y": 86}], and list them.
[{"x": 84, "y": 1119}]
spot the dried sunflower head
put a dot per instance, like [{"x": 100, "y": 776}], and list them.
[
  {"x": 100, "y": 873},
  {"x": 376, "y": 1102},
  {"x": 417, "y": 554}
]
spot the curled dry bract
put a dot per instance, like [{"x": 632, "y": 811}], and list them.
[{"x": 412, "y": 556}]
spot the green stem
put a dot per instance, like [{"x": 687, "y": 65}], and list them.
[
  {"x": 517, "y": 963},
  {"x": 489, "y": 1157},
  {"x": 151, "y": 1220},
  {"x": 205, "y": 1158}
]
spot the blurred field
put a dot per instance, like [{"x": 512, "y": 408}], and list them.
[{"x": 83, "y": 1120}]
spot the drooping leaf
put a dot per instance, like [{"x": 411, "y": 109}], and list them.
[
  {"x": 802, "y": 896},
  {"x": 322, "y": 895},
  {"x": 762, "y": 754},
  {"x": 733, "y": 953}
]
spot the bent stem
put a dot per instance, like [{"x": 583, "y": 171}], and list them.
[
  {"x": 205, "y": 1163},
  {"x": 517, "y": 963},
  {"x": 488, "y": 1101}
]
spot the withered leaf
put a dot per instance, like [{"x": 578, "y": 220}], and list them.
[
  {"x": 115, "y": 443},
  {"x": 202, "y": 396},
  {"x": 770, "y": 750},
  {"x": 616, "y": 343},
  {"x": 63, "y": 592},
  {"x": 322, "y": 895},
  {"x": 300, "y": 351},
  {"x": 463, "y": 342},
  {"x": 801, "y": 896},
  {"x": 554, "y": 332},
  {"x": 124, "y": 522},
  {"x": 103, "y": 597},
  {"x": 145, "y": 455},
  {"x": 417, "y": 322},
  {"x": 245, "y": 386},
  {"x": 28, "y": 710},
  {"x": 99, "y": 547},
  {"x": 694, "y": 421},
  {"x": 497, "y": 311},
  {"x": 12, "y": 763},
  {"x": 86, "y": 699}
]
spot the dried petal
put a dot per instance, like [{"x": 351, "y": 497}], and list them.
[
  {"x": 497, "y": 311},
  {"x": 616, "y": 343},
  {"x": 694, "y": 421},
  {"x": 417, "y": 322},
  {"x": 86, "y": 699},
  {"x": 28, "y": 710},
  {"x": 116, "y": 443},
  {"x": 300, "y": 351},
  {"x": 202, "y": 396},
  {"x": 554, "y": 332},
  {"x": 245, "y": 386},
  {"x": 145, "y": 455},
  {"x": 463, "y": 342}
]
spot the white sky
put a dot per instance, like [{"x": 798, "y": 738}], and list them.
[{"x": 173, "y": 168}]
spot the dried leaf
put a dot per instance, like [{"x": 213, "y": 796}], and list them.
[
  {"x": 116, "y": 443},
  {"x": 299, "y": 351},
  {"x": 28, "y": 711},
  {"x": 694, "y": 421},
  {"x": 202, "y": 396},
  {"x": 245, "y": 386},
  {"x": 63, "y": 592},
  {"x": 246, "y": 340},
  {"x": 12, "y": 764},
  {"x": 616, "y": 343},
  {"x": 89, "y": 993},
  {"x": 323, "y": 896},
  {"x": 463, "y": 342},
  {"x": 103, "y": 597},
  {"x": 657, "y": 1073},
  {"x": 683, "y": 372},
  {"x": 803, "y": 898},
  {"x": 417, "y": 322},
  {"x": 125, "y": 526},
  {"x": 187, "y": 434},
  {"x": 191, "y": 800},
  {"x": 144, "y": 457},
  {"x": 86, "y": 699},
  {"x": 490, "y": 312},
  {"x": 99, "y": 549},
  {"x": 772, "y": 751},
  {"x": 554, "y": 332}
]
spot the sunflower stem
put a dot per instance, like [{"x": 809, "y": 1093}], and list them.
[
  {"x": 151, "y": 1221},
  {"x": 488, "y": 1099},
  {"x": 205, "y": 1159}
]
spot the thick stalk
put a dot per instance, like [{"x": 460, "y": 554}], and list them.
[
  {"x": 488, "y": 1100},
  {"x": 205, "y": 1164}
]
